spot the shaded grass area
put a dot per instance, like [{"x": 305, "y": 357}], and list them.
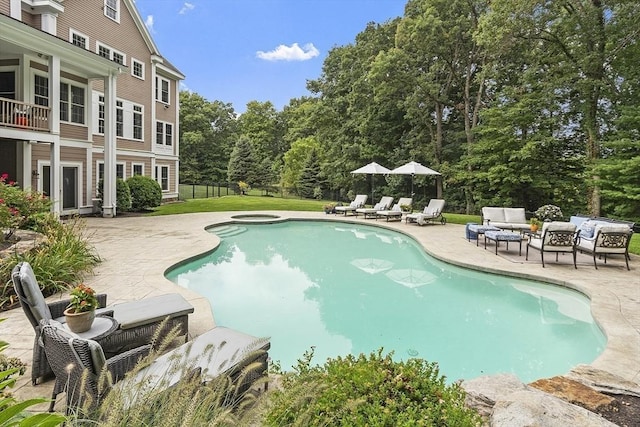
[{"x": 260, "y": 203}]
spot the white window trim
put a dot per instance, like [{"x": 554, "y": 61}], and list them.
[
  {"x": 159, "y": 90},
  {"x": 111, "y": 52},
  {"x": 118, "y": 8},
  {"x": 159, "y": 169},
  {"x": 86, "y": 104},
  {"x": 86, "y": 37},
  {"x": 133, "y": 113},
  {"x": 163, "y": 143},
  {"x": 137, "y": 61},
  {"x": 101, "y": 163}
]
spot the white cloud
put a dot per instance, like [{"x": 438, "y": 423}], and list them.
[
  {"x": 149, "y": 23},
  {"x": 290, "y": 53},
  {"x": 186, "y": 8}
]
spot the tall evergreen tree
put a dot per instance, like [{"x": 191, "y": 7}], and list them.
[{"x": 242, "y": 164}]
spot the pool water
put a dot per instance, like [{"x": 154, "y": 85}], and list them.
[{"x": 342, "y": 288}]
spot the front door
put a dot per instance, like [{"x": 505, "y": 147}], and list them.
[{"x": 69, "y": 188}]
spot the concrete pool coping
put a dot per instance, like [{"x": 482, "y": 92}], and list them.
[{"x": 136, "y": 252}]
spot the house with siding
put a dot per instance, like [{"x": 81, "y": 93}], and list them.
[{"x": 85, "y": 96}]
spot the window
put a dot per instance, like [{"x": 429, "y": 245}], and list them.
[
  {"x": 119, "y": 171},
  {"x": 118, "y": 57},
  {"x": 101, "y": 114},
  {"x": 168, "y": 134},
  {"x": 137, "y": 169},
  {"x": 8, "y": 84},
  {"x": 119, "y": 119},
  {"x": 79, "y": 39},
  {"x": 162, "y": 90},
  {"x": 41, "y": 91},
  {"x": 137, "y": 69},
  {"x": 71, "y": 103},
  {"x": 110, "y": 53},
  {"x": 112, "y": 9},
  {"x": 164, "y": 133},
  {"x": 163, "y": 179},
  {"x": 104, "y": 51},
  {"x": 137, "y": 122}
]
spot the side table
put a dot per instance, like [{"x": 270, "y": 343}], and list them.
[{"x": 102, "y": 326}]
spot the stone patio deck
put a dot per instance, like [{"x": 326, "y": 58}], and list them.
[{"x": 136, "y": 251}]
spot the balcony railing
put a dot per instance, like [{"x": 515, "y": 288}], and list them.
[{"x": 21, "y": 115}]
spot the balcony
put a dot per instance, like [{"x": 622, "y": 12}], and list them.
[{"x": 21, "y": 115}]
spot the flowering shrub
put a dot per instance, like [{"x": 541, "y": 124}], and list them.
[
  {"x": 83, "y": 298},
  {"x": 244, "y": 187},
  {"x": 549, "y": 213},
  {"x": 18, "y": 208}
]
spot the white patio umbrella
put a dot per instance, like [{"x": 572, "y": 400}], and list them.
[
  {"x": 372, "y": 168},
  {"x": 413, "y": 168}
]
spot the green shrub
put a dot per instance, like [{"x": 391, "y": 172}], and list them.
[
  {"x": 123, "y": 195},
  {"x": 60, "y": 262},
  {"x": 145, "y": 192},
  {"x": 18, "y": 207},
  {"x": 373, "y": 390}
]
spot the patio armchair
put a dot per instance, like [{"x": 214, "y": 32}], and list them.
[
  {"x": 556, "y": 236},
  {"x": 602, "y": 240},
  {"x": 135, "y": 322}
]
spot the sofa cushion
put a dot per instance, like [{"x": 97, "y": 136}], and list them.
[
  {"x": 515, "y": 215},
  {"x": 587, "y": 229},
  {"x": 493, "y": 214}
]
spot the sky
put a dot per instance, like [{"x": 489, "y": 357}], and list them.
[{"x": 237, "y": 51}]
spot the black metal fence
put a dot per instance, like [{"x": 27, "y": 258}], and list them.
[{"x": 221, "y": 189}]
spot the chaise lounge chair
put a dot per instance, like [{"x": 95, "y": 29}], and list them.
[
  {"x": 556, "y": 237},
  {"x": 383, "y": 204},
  {"x": 133, "y": 323},
  {"x": 78, "y": 364},
  {"x": 431, "y": 212},
  {"x": 395, "y": 212},
  {"x": 358, "y": 202}
]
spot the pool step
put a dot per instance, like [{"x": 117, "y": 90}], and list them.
[{"x": 228, "y": 230}]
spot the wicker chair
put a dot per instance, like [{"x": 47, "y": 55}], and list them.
[
  {"x": 136, "y": 321},
  {"x": 77, "y": 364}
]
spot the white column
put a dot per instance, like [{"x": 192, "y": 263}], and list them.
[
  {"x": 109, "y": 188},
  {"x": 25, "y": 156},
  {"x": 54, "y": 119}
]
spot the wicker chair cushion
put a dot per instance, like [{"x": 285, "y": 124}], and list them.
[
  {"x": 33, "y": 294},
  {"x": 150, "y": 309}
]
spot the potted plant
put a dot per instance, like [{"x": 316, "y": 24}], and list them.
[
  {"x": 329, "y": 208},
  {"x": 81, "y": 309},
  {"x": 535, "y": 224}
]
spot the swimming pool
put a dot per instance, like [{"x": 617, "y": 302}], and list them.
[{"x": 344, "y": 288}]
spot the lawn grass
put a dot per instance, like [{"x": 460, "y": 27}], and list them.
[{"x": 264, "y": 203}]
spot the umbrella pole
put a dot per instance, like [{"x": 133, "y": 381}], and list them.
[{"x": 372, "y": 175}]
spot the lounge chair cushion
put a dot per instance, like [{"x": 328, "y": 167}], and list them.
[
  {"x": 33, "y": 294},
  {"x": 150, "y": 310}
]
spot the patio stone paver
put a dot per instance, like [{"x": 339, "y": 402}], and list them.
[{"x": 136, "y": 251}]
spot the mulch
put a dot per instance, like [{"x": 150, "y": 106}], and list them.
[{"x": 626, "y": 411}]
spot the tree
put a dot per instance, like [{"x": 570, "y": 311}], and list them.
[
  {"x": 242, "y": 165},
  {"x": 207, "y": 133},
  {"x": 295, "y": 160},
  {"x": 310, "y": 177}
]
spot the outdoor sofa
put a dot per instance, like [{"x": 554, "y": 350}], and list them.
[{"x": 505, "y": 218}]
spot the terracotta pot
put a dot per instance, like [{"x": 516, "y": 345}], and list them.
[{"x": 79, "y": 322}]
